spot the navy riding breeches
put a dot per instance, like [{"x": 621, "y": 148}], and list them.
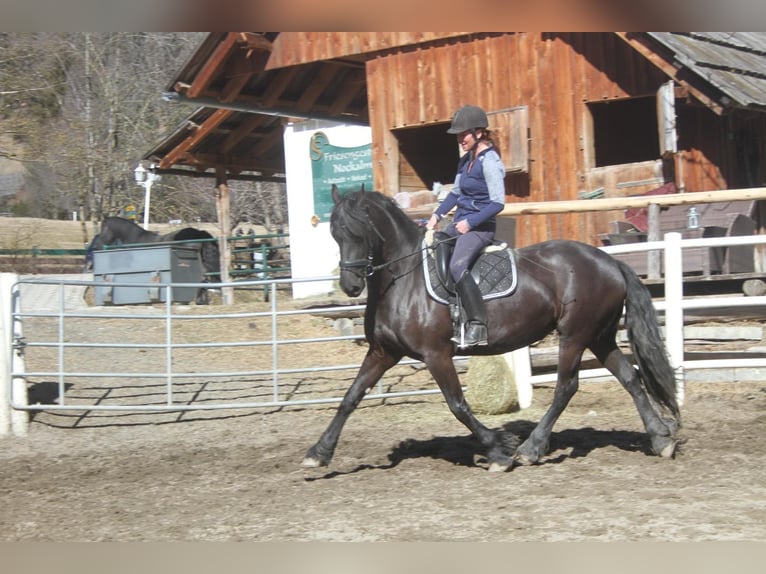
[{"x": 467, "y": 249}]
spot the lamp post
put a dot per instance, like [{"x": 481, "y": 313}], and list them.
[{"x": 146, "y": 178}]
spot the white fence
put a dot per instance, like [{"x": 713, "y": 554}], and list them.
[{"x": 172, "y": 380}]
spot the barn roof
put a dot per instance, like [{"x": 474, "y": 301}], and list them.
[
  {"x": 244, "y": 106},
  {"x": 248, "y": 84},
  {"x": 726, "y": 70}
]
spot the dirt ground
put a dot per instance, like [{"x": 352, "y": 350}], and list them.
[{"x": 404, "y": 470}]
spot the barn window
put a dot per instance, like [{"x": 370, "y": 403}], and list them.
[
  {"x": 428, "y": 154},
  {"x": 625, "y": 131}
]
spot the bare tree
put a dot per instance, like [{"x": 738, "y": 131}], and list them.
[
  {"x": 85, "y": 106},
  {"x": 259, "y": 203}
]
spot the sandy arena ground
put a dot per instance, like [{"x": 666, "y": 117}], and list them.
[{"x": 404, "y": 470}]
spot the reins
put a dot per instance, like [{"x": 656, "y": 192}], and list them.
[
  {"x": 385, "y": 264},
  {"x": 366, "y": 264}
]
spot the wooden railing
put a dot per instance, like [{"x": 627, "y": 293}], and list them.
[{"x": 38, "y": 261}]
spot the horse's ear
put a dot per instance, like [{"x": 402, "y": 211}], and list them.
[
  {"x": 362, "y": 188},
  {"x": 335, "y": 194}
]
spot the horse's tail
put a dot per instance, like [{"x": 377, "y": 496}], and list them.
[{"x": 646, "y": 341}]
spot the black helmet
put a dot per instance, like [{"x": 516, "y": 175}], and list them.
[{"x": 468, "y": 118}]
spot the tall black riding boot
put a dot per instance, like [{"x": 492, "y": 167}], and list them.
[{"x": 476, "y": 313}]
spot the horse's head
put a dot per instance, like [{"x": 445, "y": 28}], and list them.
[
  {"x": 354, "y": 233},
  {"x": 113, "y": 232}
]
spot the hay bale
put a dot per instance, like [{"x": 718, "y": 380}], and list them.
[{"x": 491, "y": 386}]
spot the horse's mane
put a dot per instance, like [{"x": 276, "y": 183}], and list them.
[
  {"x": 351, "y": 215},
  {"x": 123, "y": 223}
]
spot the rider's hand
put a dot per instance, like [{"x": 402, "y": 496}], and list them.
[{"x": 432, "y": 222}]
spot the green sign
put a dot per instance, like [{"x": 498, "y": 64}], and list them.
[{"x": 347, "y": 167}]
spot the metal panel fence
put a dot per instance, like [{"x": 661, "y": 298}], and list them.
[{"x": 88, "y": 357}]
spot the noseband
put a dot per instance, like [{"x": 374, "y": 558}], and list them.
[{"x": 366, "y": 264}]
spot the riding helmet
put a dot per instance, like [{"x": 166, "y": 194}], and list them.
[{"x": 468, "y": 118}]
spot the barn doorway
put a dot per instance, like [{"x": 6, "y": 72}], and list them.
[{"x": 427, "y": 155}]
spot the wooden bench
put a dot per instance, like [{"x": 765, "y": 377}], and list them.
[{"x": 732, "y": 218}]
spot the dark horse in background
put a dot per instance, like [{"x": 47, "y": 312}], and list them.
[
  {"x": 569, "y": 287},
  {"x": 119, "y": 231}
]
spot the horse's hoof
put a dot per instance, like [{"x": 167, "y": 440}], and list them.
[
  {"x": 499, "y": 467},
  {"x": 523, "y": 460},
  {"x": 311, "y": 462},
  {"x": 665, "y": 447},
  {"x": 669, "y": 451}
]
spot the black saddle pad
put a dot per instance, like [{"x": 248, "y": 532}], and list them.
[{"x": 494, "y": 271}]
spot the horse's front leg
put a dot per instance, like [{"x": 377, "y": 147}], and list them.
[
  {"x": 375, "y": 364},
  {"x": 500, "y": 445}
]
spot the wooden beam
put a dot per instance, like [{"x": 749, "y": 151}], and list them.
[
  {"x": 223, "y": 208},
  {"x": 237, "y": 164},
  {"x": 353, "y": 83},
  {"x": 209, "y": 174},
  {"x": 243, "y": 130},
  {"x": 256, "y": 41},
  {"x": 269, "y": 140},
  {"x": 210, "y": 124},
  {"x": 326, "y": 73},
  {"x": 242, "y": 68},
  {"x": 616, "y": 203},
  {"x": 277, "y": 87},
  {"x": 213, "y": 64}
]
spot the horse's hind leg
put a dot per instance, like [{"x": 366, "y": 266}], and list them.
[
  {"x": 374, "y": 365},
  {"x": 202, "y": 296},
  {"x": 536, "y": 445},
  {"x": 661, "y": 431}
]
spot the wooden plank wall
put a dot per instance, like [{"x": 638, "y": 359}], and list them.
[
  {"x": 553, "y": 74},
  {"x": 293, "y": 48}
]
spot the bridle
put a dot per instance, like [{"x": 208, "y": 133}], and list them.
[{"x": 367, "y": 263}]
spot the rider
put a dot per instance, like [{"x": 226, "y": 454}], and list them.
[{"x": 479, "y": 194}]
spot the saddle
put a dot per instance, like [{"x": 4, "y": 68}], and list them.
[{"x": 494, "y": 270}]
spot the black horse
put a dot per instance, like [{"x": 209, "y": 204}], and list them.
[
  {"x": 570, "y": 287},
  {"x": 119, "y": 231}
]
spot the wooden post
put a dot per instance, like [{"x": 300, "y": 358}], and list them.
[
  {"x": 759, "y": 253},
  {"x": 386, "y": 172},
  {"x": 674, "y": 312},
  {"x": 222, "y": 208},
  {"x": 654, "y": 257}
]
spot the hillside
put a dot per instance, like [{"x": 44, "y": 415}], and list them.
[{"x": 28, "y": 232}]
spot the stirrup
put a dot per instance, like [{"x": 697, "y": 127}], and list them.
[{"x": 478, "y": 338}]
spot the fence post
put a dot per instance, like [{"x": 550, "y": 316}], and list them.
[
  {"x": 674, "y": 313},
  {"x": 521, "y": 366},
  {"x": 11, "y": 420}
]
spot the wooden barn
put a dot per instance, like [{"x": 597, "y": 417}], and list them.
[{"x": 577, "y": 115}]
